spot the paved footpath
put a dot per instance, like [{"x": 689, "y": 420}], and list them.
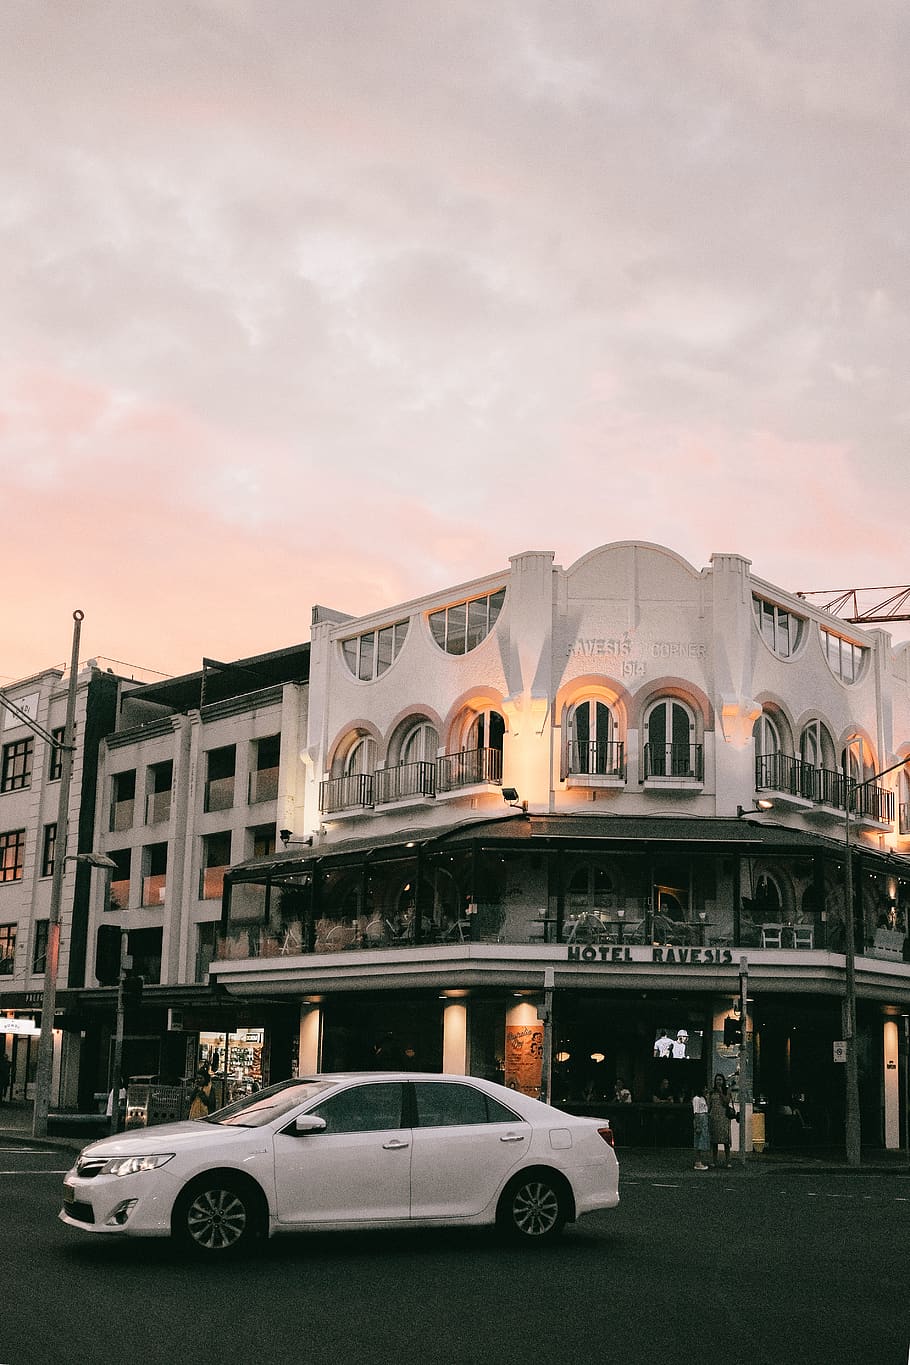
[{"x": 645, "y": 1162}]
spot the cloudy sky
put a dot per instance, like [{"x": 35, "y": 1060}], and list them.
[{"x": 344, "y": 301}]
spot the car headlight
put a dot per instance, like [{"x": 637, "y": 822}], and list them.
[{"x": 132, "y": 1165}]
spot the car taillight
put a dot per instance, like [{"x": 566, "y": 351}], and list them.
[{"x": 607, "y": 1135}]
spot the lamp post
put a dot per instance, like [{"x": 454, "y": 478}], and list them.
[
  {"x": 852, "y": 1127},
  {"x": 44, "y": 1067}
]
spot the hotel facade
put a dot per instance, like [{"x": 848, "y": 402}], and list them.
[{"x": 531, "y": 828}]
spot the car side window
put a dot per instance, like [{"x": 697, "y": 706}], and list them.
[
  {"x": 362, "y": 1109},
  {"x": 442, "y": 1104}
]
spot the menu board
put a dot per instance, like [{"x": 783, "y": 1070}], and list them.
[{"x": 524, "y": 1057}]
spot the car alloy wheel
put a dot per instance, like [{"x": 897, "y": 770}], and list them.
[
  {"x": 218, "y": 1218},
  {"x": 533, "y": 1209}
]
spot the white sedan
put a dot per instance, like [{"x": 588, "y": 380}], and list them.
[{"x": 376, "y": 1150}]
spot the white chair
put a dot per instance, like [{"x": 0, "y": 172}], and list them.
[
  {"x": 803, "y": 936},
  {"x": 771, "y": 936}
]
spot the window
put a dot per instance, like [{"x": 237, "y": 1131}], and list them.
[
  {"x": 779, "y": 629},
  {"x": 262, "y": 840},
  {"x": 219, "y": 784},
  {"x": 445, "y": 1104},
  {"x": 120, "y": 878},
  {"x": 216, "y": 859},
  {"x": 363, "y": 1109},
  {"x": 123, "y": 800},
  {"x": 361, "y": 757},
  {"x": 461, "y": 627},
  {"x": 12, "y": 855},
  {"x": 420, "y": 744},
  {"x": 767, "y": 740},
  {"x": 671, "y": 750},
  {"x": 593, "y": 746},
  {"x": 159, "y": 784},
  {"x": 48, "y": 848},
  {"x": 55, "y": 755},
  {"x": 590, "y": 889},
  {"x": 264, "y": 771},
  {"x": 17, "y": 765},
  {"x": 369, "y": 655},
  {"x": 154, "y": 881},
  {"x": 480, "y": 757},
  {"x": 39, "y": 947},
  {"x": 7, "y": 949},
  {"x": 845, "y": 659}
]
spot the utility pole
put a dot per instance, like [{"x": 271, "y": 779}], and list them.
[
  {"x": 745, "y": 1089},
  {"x": 44, "y": 1069}
]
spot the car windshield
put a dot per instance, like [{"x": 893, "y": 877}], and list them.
[{"x": 265, "y": 1105}]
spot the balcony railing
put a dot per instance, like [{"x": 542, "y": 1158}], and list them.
[
  {"x": 784, "y": 773},
  {"x": 219, "y": 793},
  {"x": 407, "y": 780},
  {"x": 263, "y": 784},
  {"x": 211, "y": 883},
  {"x": 158, "y": 807},
  {"x": 674, "y": 760},
  {"x": 153, "y": 889},
  {"x": 597, "y": 758},
  {"x": 346, "y": 793},
  {"x": 468, "y": 768}
]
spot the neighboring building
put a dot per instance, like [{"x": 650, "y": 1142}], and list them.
[
  {"x": 625, "y": 708},
  {"x": 30, "y": 770}
]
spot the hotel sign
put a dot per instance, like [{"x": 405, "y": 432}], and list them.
[
  {"x": 664, "y": 956},
  {"x": 630, "y": 657}
]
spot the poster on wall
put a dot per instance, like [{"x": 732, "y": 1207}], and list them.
[{"x": 524, "y": 1058}]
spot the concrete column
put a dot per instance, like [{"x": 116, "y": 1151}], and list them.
[{"x": 455, "y": 1038}]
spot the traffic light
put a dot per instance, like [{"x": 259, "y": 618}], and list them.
[
  {"x": 733, "y": 1031},
  {"x": 107, "y": 954},
  {"x": 132, "y": 988}
]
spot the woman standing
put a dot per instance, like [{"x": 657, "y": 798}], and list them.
[{"x": 720, "y": 1105}]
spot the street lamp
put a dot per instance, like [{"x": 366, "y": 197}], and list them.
[{"x": 852, "y": 1116}]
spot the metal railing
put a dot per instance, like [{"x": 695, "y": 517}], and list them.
[
  {"x": 407, "y": 779},
  {"x": 784, "y": 773},
  {"x": 468, "y": 768},
  {"x": 597, "y": 758},
  {"x": 674, "y": 760},
  {"x": 346, "y": 793}
]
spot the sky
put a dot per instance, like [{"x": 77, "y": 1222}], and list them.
[{"x": 347, "y": 301}]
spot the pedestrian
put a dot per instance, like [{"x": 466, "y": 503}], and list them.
[
  {"x": 5, "y": 1073},
  {"x": 720, "y": 1112},
  {"x": 202, "y": 1100},
  {"x": 700, "y": 1139}
]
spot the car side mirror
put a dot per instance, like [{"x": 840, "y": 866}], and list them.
[{"x": 308, "y": 1123}]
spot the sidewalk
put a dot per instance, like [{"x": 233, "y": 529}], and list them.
[{"x": 641, "y": 1162}]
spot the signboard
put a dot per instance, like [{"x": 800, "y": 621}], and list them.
[
  {"x": 27, "y": 705},
  {"x": 524, "y": 1058},
  {"x": 840, "y": 1051},
  {"x": 19, "y": 1026}
]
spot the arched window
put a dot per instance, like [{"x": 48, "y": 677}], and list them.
[
  {"x": 590, "y": 889},
  {"x": 670, "y": 749},
  {"x": 768, "y": 755},
  {"x": 816, "y": 756},
  {"x": 360, "y": 759},
  {"x": 420, "y": 744},
  {"x": 479, "y": 757},
  {"x": 593, "y": 743}
]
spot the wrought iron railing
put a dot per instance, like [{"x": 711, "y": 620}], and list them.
[
  {"x": 346, "y": 793},
  {"x": 674, "y": 760},
  {"x": 784, "y": 773},
  {"x": 468, "y": 768},
  {"x": 408, "y": 779},
  {"x": 597, "y": 758}
]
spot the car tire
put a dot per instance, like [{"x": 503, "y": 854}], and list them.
[
  {"x": 218, "y": 1216},
  {"x": 532, "y": 1208}
]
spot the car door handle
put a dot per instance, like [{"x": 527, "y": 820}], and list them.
[
  {"x": 512, "y": 1137},
  {"x": 396, "y": 1145}
]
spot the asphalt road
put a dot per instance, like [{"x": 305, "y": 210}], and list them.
[{"x": 691, "y": 1270}]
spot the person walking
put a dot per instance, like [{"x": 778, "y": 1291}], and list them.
[
  {"x": 5, "y": 1073},
  {"x": 720, "y": 1112},
  {"x": 700, "y": 1138}
]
